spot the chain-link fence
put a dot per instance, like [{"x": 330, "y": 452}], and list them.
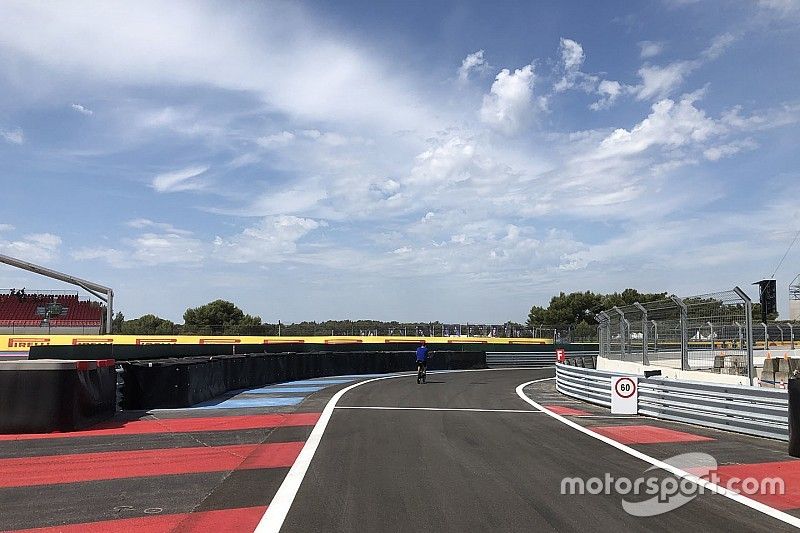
[{"x": 710, "y": 332}]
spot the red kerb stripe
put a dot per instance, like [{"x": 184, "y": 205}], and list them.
[
  {"x": 219, "y": 521},
  {"x": 29, "y": 471},
  {"x": 180, "y": 425}
]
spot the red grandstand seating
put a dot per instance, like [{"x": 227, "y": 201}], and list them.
[{"x": 21, "y": 312}]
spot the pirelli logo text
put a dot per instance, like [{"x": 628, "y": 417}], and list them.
[
  {"x": 79, "y": 341},
  {"x": 151, "y": 340},
  {"x": 27, "y": 342}
]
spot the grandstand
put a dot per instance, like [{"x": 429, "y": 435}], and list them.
[{"x": 33, "y": 310}]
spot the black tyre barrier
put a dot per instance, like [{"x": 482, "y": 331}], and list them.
[
  {"x": 129, "y": 352},
  {"x": 794, "y": 417},
  {"x": 47, "y": 396},
  {"x": 174, "y": 383}
]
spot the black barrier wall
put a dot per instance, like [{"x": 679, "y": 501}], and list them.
[
  {"x": 127, "y": 352},
  {"x": 173, "y": 383},
  {"x": 43, "y": 401}
]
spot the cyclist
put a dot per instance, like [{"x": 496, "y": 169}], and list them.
[{"x": 422, "y": 361}]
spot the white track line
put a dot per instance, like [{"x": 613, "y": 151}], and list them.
[
  {"x": 382, "y": 408},
  {"x": 278, "y": 509},
  {"x": 713, "y": 487}
]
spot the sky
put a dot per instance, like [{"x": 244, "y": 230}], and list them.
[{"x": 452, "y": 161}]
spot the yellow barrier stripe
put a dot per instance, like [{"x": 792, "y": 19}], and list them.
[{"x": 22, "y": 342}]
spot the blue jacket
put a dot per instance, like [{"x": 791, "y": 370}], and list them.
[{"x": 422, "y": 354}]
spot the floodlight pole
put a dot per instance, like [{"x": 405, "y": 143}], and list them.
[{"x": 94, "y": 288}]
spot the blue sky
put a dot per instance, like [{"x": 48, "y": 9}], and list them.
[{"x": 411, "y": 160}]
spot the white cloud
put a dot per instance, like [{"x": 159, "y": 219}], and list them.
[
  {"x": 114, "y": 257},
  {"x": 715, "y": 153},
  {"x": 166, "y": 248},
  {"x": 660, "y": 81},
  {"x": 141, "y": 223},
  {"x": 36, "y": 247},
  {"x": 650, "y": 49},
  {"x": 508, "y": 106},
  {"x": 180, "y": 180},
  {"x": 609, "y": 92},
  {"x": 473, "y": 62},
  {"x": 275, "y": 56},
  {"x": 14, "y": 136},
  {"x": 276, "y": 139},
  {"x": 6, "y": 227},
  {"x": 82, "y": 109},
  {"x": 718, "y": 45},
  {"x": 572, "y": 58},
  {"x": 272, "y": 240},
  {"x": 670, "y": 124}
]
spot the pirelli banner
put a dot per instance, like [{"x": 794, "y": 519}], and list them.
[{"x": 23, "y": 343}]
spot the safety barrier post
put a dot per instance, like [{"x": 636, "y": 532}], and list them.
[
  {"x": 748, "y": 313},
  {"x": 684, "y": 332},
  {"x": 645, "y": 340}
]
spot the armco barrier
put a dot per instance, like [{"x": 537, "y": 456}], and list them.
[
  {"x": 538, "y": 359},
  {"x": 46, "y": 396},
  {"x": 750, "y": 410},
  {"x": 183, "y": 382}
]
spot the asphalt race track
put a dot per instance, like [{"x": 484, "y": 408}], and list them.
[{"x": 384, "y": 464}]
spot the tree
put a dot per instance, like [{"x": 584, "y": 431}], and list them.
[
  {"x": 117, "y": 322},
  {"x": 218, "y": 313},
  {"x": 148, "y": 325},
  {"x": 578, "y": 307}
]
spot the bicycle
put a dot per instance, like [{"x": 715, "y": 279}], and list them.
[{"x": 422, "y": 370}]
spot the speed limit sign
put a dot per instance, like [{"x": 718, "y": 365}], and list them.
[{"x": 624, "y": 395}]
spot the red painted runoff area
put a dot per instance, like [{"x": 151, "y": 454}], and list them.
[
  {"x": 565, "y": 411},
  {"x": 180, "y": 425},
  {"x": 646, "y": 434},
  {"x": 744, "y": 478},
  {"x": 219, "y": 521},
  {"x": 71, "y": 468}
]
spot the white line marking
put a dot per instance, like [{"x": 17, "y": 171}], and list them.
[
  {"x": 382, "y": 408},
  {"x": 713, "y": 487},
  {"x": 278, "y": 509}
]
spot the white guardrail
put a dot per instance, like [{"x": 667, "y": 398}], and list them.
[
  {"x": 529, "y": 359},
  {"x": 750, "y": 410}
]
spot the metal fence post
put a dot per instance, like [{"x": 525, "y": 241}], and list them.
[
  {"x": 655, "y": 336},
  {"x": 645, "y": 340},
  {"x": 791, "y": 335},
  {"x": 781, "y": 330},
  {"x": 711, "y": 336},
  {"x": 748, "y": 313},
  {"x": 684, "y": 332},
  {"x": 766, "y": 336},
  {"x": 621, "y": 332}
]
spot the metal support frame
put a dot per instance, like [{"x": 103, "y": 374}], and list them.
[
  {"x": 791, "y": 335},
  {"x": 738, "y": 325},
  {"x": 684, "y": 332},
  {"x": 94, "y": 288},
  {"x": 711, "y": 337},
  {"x": 748, "y": 313},
  {"x": 621, "y": 332},
  {"x": 645, "y": 336},
  {"x": 655, "y": 336}
]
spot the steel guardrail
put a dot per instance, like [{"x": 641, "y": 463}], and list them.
[
  {"x": 749, "y": 410},
  {"x": 530, "y": 359}
]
